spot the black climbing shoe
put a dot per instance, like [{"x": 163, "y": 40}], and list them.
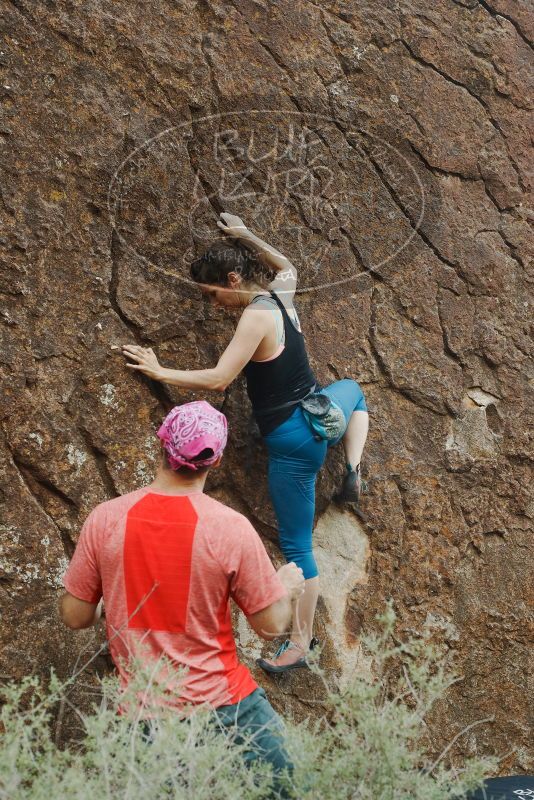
[
  {"x": 352, "y": 489},
  {"x": 352, "y": 486}
]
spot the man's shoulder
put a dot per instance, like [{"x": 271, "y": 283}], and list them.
[
  {"x": 210, "y": 506},
  {"x": 218, "y": 516},
  {"x": 116, "y": 505}
]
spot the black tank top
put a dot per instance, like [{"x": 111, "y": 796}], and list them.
[{"x": 286, "y": 378}]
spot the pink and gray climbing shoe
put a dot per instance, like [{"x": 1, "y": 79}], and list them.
[{"x": 288, "y": 656}]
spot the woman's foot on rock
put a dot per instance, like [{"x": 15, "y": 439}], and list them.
[
  {"x": 352, "y": 485},
  {"x": 289, "y": 655},
  {"x": 351, "y": 490}
]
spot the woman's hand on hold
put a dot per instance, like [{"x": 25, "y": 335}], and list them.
[
  {"x": 145, "y": 360},
  {"x": 231, "y": 225},
  {"x": 293, "y": 579}
]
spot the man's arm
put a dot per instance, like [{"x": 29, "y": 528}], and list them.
[
  {"x": 275, "y": 620},
  {"x": 77, "y": 614},
  {"x": 262, "y": 593},
  {"x": 80, "y": 606},
  {"x": 272, "y": 618},
  {"x": 272, "y": 621}
]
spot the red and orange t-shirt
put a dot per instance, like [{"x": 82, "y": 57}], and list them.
[{"x": 166, "y": 566}]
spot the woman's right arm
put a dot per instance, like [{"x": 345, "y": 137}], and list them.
[{"x": 247, "y": 337}]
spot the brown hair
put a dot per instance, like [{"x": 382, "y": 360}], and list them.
[{"x": 223, "y": 257}]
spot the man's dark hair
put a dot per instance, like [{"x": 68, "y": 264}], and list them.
[
  {"x": 185, "y": 471},
  {"x": 222, "y": 257}
]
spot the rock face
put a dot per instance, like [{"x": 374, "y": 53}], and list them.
[{"x": 384, "y": 149}]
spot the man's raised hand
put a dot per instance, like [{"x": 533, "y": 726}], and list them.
[{"x": 293, "y": 579}]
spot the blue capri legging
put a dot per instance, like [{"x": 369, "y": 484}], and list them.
[{"x": 295, "y": 458}]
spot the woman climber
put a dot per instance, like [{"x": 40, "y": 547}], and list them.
[{"x": 269, "y": 347}]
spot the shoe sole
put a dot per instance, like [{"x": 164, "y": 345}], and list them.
[
  {"x": 277, "y": 670},
  {"x": 359, "y": 513},
  {"x": 349, "y": 498},
  {"x": 344, "y": 500}
]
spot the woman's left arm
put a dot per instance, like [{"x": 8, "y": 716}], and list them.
[
  {"x": 245, "y": 341},
  {"x": 234, "y": 226}
]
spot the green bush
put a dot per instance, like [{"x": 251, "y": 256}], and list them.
[
  {"x": 374, "y": 747},
  {"x": 369, "y": 745}
]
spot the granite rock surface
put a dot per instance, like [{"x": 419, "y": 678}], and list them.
[{"x": 384, "y": 148}]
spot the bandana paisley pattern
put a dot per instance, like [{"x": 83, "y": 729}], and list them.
[{"x": 185, "y": 423}]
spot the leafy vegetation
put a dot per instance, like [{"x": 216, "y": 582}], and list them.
[{"x": 369, "y": 745}]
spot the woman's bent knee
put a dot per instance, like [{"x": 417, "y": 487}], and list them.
[
  {"x": 348, "y": 394},
  {"x": 359, "y": 403}
]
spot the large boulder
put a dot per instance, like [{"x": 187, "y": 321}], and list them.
[{"x": 384, "y": 149}]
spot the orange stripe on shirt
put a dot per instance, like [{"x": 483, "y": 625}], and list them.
[{"x": 158, "y": 544}]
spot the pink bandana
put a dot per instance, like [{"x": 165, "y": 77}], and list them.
[{"x": 191, "y": 428}]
